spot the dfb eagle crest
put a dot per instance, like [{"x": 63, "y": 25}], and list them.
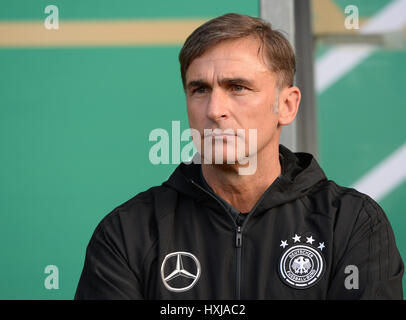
[{"x": 302, "y": 264}]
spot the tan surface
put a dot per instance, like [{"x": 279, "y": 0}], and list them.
[{"x": 95, "y": 33}]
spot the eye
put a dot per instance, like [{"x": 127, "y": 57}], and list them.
[
  {"x": 238, "y": 88},
  {"x": 199, "y": 90}
]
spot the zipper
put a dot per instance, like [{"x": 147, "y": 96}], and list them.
[
  {"x": 238, "y": 240},
  {"x": 238, "y": 233},
  {"x": 238, "y": 244}
]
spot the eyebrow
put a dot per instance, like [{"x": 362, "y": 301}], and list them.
[
  {"x": 224, "y": 81},
  {"x": 197, "y": 83},
  {"x": 240, "y": 81}
]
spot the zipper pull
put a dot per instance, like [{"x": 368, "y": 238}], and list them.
[{"x": 238, "y": 238}]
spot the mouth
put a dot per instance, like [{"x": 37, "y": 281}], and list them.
[
  {"x": 222, "y": 135},
  {"x": 218, "y": 133}
]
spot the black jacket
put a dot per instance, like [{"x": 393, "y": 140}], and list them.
[{"x": 306, "y": 238}]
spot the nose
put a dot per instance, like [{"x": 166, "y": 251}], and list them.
[{"x": 217, "y": 105}]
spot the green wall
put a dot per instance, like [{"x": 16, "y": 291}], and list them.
[{"x": 74, "y": 127}]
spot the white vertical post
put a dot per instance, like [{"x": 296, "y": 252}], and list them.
[{"x": 293, "y": 19}]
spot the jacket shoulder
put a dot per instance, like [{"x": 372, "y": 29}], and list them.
[
  {"x": 329, "y": 198},
  {"x": 141, "y": 207},
  {"x": 131, "y": 229},
  {"x": 136, "y": 219}
]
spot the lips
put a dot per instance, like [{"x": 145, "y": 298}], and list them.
[
  {"x": 222, "y": 135},
  {"x": 218, "y": 133}
]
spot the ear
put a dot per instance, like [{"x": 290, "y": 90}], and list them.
[{"x": 289, "y": 100}]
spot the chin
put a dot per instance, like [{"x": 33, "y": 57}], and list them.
[{"x": 223, "y": 155}]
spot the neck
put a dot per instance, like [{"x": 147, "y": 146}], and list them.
[{"x": 243, "y": 191}]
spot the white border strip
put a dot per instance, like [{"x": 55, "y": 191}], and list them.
[
  {"x": 385, "y": 177},
  {"x": 337, "y": 62}
]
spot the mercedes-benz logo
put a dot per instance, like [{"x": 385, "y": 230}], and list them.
[{"x": 180, "y": 272}]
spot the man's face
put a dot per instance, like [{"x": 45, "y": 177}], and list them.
[{"x": 231, "y": 87}]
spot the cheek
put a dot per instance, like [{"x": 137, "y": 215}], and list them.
[
  {"x": 195, "y": 116},
  {"x": 258, "y": 113},
  {"x": 264, "y": 120}
]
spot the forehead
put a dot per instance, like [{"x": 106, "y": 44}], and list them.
[{"x": 230, "y": 58}]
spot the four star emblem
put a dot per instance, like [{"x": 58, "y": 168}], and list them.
[{"x": 296, "y": 238}]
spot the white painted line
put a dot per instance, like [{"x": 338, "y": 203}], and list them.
[
  {"x": 385, "y": 177},
  {"x": 337, "y": 62},
  {"x": 343, "y": 58},
  {"x": 390, "y": 18}
]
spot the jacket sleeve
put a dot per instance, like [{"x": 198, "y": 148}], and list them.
[
  {"x": 106, "y": 273},
  {"x": 371, "y": 266}
]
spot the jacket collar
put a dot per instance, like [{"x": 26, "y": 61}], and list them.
[{"x": 300, "y": 172}]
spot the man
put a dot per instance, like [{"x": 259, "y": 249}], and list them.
[{"x": 282, "y": 231}]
